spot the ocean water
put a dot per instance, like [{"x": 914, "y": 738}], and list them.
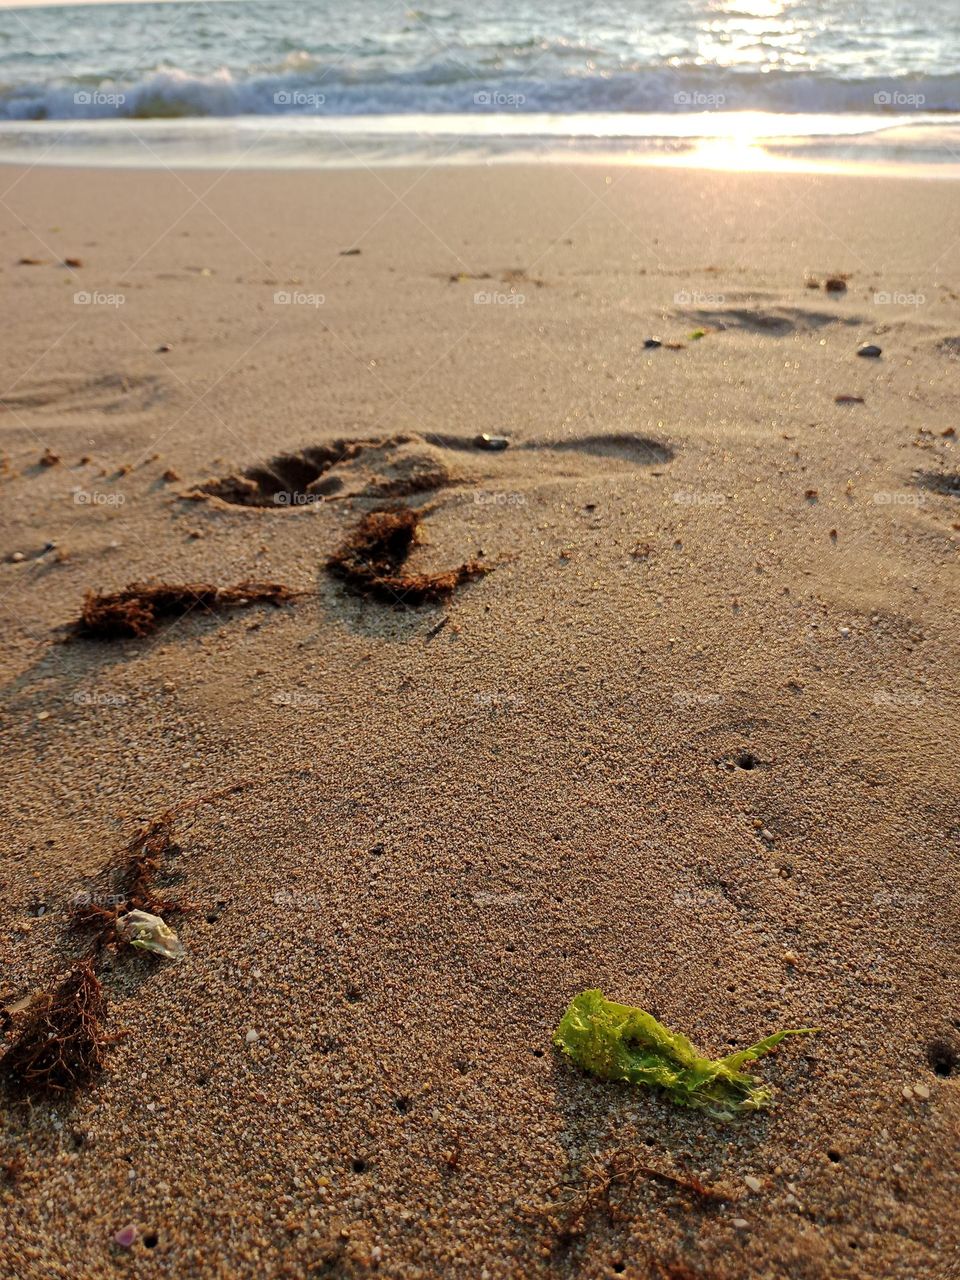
[{"x": 324, "y": 81}]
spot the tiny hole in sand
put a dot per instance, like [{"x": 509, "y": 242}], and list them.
[
  {"x": 943, "y": 1058},
  {"x": 746, "y": 760},
  {"x": 358, "y": 1165},
  {"x": 151, "y": 1240}
]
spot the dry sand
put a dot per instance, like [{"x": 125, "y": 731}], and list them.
[{"x": 693, "y": 740}]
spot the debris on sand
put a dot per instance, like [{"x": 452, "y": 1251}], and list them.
[
  {"x": 620, "y": 1042},
  {"x": 494, "y": 443},
  {"x": 48, "y": 458},
  {"x": 371, "y": 561},
  {"x": 132, "y": 875},
  {"x": 870, "y": 350},
  {"x": 845, "y": 399},
  {"x": 137, "y": 610},
  {"x": 150, "y": 933},
  {"x": 609, "y": 1186},
  {"x": 836, "y": 284},
  {"x": 61, "y": 1045}
]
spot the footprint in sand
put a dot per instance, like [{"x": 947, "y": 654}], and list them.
[
  {"x": 107, "y": 393},
  {"x": 945, "y": 482},
  {"x": 403, "y": 466},
  {"x": 778, "y": 321},
  {"x": 398, "y": 466}
]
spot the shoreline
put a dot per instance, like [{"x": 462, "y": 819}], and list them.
[{"x": 736, "y": 141}]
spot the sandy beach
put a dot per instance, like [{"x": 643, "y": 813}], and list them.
[{"x": 692, "y": 739}]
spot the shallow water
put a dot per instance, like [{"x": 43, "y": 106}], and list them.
[{"x": 375, "y": 82}]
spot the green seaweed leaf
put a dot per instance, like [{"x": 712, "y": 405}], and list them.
[{"x": 620, "y": 1042}]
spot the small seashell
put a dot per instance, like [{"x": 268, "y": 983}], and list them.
[{"x": 150, "y": 933}]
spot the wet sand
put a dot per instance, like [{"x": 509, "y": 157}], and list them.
[{"x": 692, "y": 739}]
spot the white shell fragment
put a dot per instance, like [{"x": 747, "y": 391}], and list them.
[{"x": 148, "y": 932}]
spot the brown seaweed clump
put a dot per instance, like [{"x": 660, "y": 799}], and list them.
[
  {"x": 62, "y": 1042},
  {"x": 142, "y": 861},
  {"x": 371, "y": 561},
  {"x": 137, "y": 610}
]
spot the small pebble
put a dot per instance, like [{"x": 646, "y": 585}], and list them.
[
  {"x": 252, "y": 1036},
  {"x": 164, "y": 346},
  {"x": 844, "y": 631},
  {"x": 907, "y": 1092},
  {"x": 125, "y": 1237},
  {"x": 651, "y": 344},
  {"x": 753, "y": 1183},
  {"x": 740, "y": 1223},
  {"x": 870, "y": 350},
  {"x": 16, "y": 557},
  {"x": 491, "y": 442},
  {"x": 835, "y": 284},
  {"x": 922, "y": 1090}
]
